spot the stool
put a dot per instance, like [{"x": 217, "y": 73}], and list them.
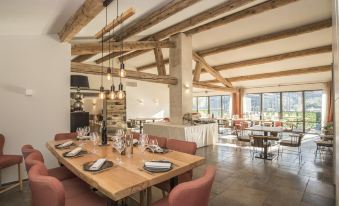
[{"x": 8, "y": 161}]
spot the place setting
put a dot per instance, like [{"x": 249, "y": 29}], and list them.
[
  {"x": 98, "y": 166},
  {"x": 65, "y": 145},
  {"x": 75, "y": 153}
]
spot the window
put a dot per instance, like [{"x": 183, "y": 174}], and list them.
[
  {"x": 226, "y": 103},
  {"x": 271, "y": 106},
  {"x": 253, "y": 106},
  {"x": 293, "y": 109},
  {"x": 215, "y": 106},
  {"x": 203, "y": 106},
  {"x": 194, "y": 104},
  {"x": 219, "y": 106},
  {"x": 313, "y": 103}
]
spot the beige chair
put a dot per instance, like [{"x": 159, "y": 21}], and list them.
[{"x": 293, "y": 142}]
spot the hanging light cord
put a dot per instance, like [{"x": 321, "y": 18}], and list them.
[{"x": 122, "y": 43}]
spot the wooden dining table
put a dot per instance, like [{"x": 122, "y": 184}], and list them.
[{"x": 123, "y": 180}]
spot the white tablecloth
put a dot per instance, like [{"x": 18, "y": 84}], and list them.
[{"x": 203, "y": 134}]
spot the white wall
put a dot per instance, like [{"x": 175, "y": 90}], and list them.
[
  {"x": 40, "y": 63},
  {"x": 145, "y": 100}
]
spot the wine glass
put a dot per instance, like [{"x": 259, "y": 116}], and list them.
[
  {"x": 87, "y": 130},
  {"x": 153, "y": 145},
  {"x": 120, "y": 133},
  {"x": 142, "y": 144},
  {"x": 94, "y": 138},
  {"x": 119, "y": 145}
]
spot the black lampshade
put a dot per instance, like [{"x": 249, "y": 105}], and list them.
[{"x": 79, "y": 81}]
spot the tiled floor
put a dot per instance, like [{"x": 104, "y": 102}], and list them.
[{"x": 242, "y": 181}]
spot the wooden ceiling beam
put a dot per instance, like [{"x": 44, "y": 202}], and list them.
[
  {"x": 82, "y": 58},
  {"x": 150, "y": 66},
  {"x": 96, "y": 70},
  {"x": 152, "y": 19},
  {"x": 265, "y": 6},
  {"x": 197, "y": 72},
  {"x": 95, "y": 48},
  {"x": 192, "y": 21},
  {"x": 159, "y": 59},
  {"x": 292, "y": 72},
  {"x": 117, "y": 21},
  {"x": 268, "y": 37},
  {"x": 202, "y": 85},
  {"x": 210, "y": 70},
  {"x": 87, "y": 12},
  {"x": 274, "y": 58}
]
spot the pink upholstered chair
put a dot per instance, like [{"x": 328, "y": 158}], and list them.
[
  {"x": 26, "y": 150},
  {"x": 8, "y": 161},
  {"x": 192, "y": 193},
  {"x": 136, "y": 135},
  {"x": 161, "y": 140},
  {"x": 65, "y": 136},
  {"x": 35, "y": 157},
  {"x": 47, "y": 190},
  {"x": 180, "y": 146}
]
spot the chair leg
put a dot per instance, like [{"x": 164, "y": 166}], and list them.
[
  {"x": 149, "y": 196},
  {"x": 20, "y": 176},
  {"x": 141, "y": 200}
]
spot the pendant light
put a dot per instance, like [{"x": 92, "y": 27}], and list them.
[
  {"x": 122, "y": 73},
  {"x": 112, "y": 94},
  {"x": 102, "y": 90},
  {"x": 109, "y": 70}
]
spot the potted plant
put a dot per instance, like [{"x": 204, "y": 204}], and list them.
[{"x": 328, "y": 128}]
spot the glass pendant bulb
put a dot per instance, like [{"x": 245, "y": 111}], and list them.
[
  {"x": 122, "y": 70},
  {"x": 121, "y": 93},
  {"x": 112, "y": 94},
  {"x": 109, "y": 73},
  {"x": 102, "y": 93}
]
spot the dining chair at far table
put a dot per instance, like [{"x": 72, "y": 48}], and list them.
[
  {"x": 8, "y": 161},
  {"x": 47, "y": 190},
  {"x": 35, "y": 157},
  {"x": 294, "y": 141},
  {"x": 192, "y": 193},
  {"x": 65, "y": 136},
  {"x": 180, "y": 146}
]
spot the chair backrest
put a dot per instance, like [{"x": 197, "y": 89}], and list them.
[
  {"x": 278, "y": 124},
  {"x": 136, "y": 135},
  {"x": 2, "y": 143},
  {"x": 194, "y": 192},
  {"x": 45, "y": 190},
  {"x": 182, "y": 146},
  {"x": 257, "y": 141},
  {"x": 65, "y": 136},
  {"x": 161, "y": 140},
  {"x": 26, "y": 150},
  {"x": 33, "y": 158}
]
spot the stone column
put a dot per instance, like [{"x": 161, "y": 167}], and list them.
[{"x": 180, "y": 66}]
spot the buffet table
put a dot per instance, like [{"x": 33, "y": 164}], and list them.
[{"x": 202, "y": 134}]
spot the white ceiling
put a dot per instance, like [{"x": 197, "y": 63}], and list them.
[{"x": 36, "y": 17}]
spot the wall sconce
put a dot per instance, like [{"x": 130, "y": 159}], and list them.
[
  {"x": 140, "y": 101},
  {"x": 156, "y": 101},
  {"x": 187, "y": 87}
]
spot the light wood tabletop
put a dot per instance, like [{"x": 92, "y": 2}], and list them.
[{"x": 127, "y": 178}]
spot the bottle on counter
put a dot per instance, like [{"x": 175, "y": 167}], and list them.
[{"x": 104, "y": 133}]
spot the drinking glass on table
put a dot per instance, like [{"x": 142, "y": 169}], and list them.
[
  {"x": 95, "y": 139},
  {"x": 119, "y": 145},
  {"x": 142, "y": 144},
  {"x": 87, "y": 130},
  {"x": 153, "y": 145}
]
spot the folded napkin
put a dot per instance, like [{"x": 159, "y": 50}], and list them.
[
  {"x": 66, "y": 144},
  {"x": 98, "y": 164},
  {"x": 84, "y": 137},
  {"x": 162, "y": 165},
  {"x": 155, "y": 148},
  {"x": 74, "y": 152}
]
